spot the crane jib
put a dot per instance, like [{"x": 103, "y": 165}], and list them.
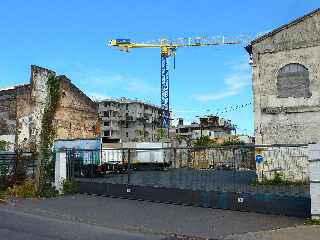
[{"x": 168, "y": 49}]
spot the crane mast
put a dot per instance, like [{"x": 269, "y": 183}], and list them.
[{"x": 168, "y": 49}]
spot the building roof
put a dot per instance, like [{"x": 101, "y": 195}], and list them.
[
  {"x": 279, "y": 29},
  {"x": 128, "y": 101}
]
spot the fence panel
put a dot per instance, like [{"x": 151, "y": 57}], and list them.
[
  {"x": 231, "y": 177},
  {"x": 16, "y": 167}
]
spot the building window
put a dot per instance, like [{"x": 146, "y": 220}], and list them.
[
  {"x": 107, "y": 133},
  {"x": 106, "y": 124},
  {"x": 127, "y": 134},
  {"x": 293, "y": 81},
  {"x": 106, "y": 114}
]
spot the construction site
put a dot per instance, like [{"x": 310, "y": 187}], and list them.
[{"x": 54, "y": 132}]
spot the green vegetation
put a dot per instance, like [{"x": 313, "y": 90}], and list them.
[
  {"x": 179, "y": 137},
  {"x": 28, "y": 190},
  {"x": 310, "y": 221},
  {"x": 45, "y": 167},
  {"x": 70, "y": 187},
  {"x": 161, "y": 133},
  {"x": 206, "y": 141},
  {"x": 278, "y": 179},
  {"x": 25, "y": 190},
  {"x": 3, "y": 145},
  {"x": 232, "y": 143},
  {"x": 2, "y": 194},
  {"x": 48, "y": 191}
]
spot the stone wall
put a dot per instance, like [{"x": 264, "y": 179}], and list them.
[
  {"x": 8, "y": 115},
  {"x": 287, "y": 120},
  {"x": 77, "y": 115},
  {"x": 24, "y": 117},
  {"x": 39, "y": 98},
  {"x": 7, "y": 112},
  {"x": 22, "y": 108}
]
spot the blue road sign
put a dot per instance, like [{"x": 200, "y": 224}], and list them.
[{"x": 259, "y": 158}]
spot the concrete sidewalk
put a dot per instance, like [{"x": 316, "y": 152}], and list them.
[
  {"x": 155, "y": 218},
  {"x": 293, "y": 233}
]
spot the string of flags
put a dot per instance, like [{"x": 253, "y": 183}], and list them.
[
  {"x": 232, "y": 108},
  {"x": 217, "y": 112}
]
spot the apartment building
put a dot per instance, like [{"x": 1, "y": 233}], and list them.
[{"x": 125, "y": 120}]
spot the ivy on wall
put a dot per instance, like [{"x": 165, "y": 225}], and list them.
[{"x": 45, "y": 166}]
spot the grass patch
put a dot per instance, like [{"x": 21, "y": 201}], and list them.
[
  {"x": 279, "y": 180},
  {"x": 310, "y": 221}
]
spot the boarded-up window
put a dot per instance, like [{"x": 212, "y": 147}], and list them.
[{"x": 293, "y": 81}]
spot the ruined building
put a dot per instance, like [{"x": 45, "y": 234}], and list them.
[
  {"x": 211, "y": 126},
  {"x": 22, "y": 107},
  {"x": 125, "y": 120},
  {"x": 286, "y": 82}
]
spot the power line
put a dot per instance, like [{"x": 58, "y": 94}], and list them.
[{"x": 218, "y": 111}]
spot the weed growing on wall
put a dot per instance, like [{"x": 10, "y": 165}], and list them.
[{"x": 45, "y": 165}]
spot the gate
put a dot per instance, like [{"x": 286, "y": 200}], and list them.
[{"x": 266, "y": 179}]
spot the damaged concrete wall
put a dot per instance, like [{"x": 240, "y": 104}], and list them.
[
  {"x": 77, "y": 114},
  {"x": 22, "y": 108},
  {"x": 292, "y": 119},
  {"x": 39, "y": 100},
  {"x": 8, "y": 116},
  {"x": 23, "y": 117}
]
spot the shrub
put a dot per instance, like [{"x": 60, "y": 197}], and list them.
[
  {"x": 232, "y": 143},
  {"x": 49, "y": 191},
  {"x": 3, "y": 145},
  {"x": 70, "y": 187},
  {"x": 310, "y": 221},
  {"x": 2, "y": 195},
  {"x": 278, "y": 179},
  {"x": 26, "y": 190}
]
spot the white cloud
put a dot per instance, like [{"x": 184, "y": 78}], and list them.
[
  {"x": 116, "y": 82},
  {"x": 235, "y": 82}
]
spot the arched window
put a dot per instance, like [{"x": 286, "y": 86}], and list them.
[{"x": 293, "y": 81}]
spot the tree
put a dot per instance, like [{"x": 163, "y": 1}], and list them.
[
  {"x": 179, "y": 137},
  {"x": 161, "y": 133},
  {"x": 203, "y": 141}
]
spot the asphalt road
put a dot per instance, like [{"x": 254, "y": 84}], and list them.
[
  {"x": 152, "y": 218},
  {"x": 15, "y": 225}
]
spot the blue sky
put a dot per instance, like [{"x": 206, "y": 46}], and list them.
[{"x": 70, "y": 37}]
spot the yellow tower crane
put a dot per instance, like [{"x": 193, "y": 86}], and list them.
[{"x": 168, "y": 49}]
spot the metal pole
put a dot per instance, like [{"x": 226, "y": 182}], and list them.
[{"x": 129, "y": 166}]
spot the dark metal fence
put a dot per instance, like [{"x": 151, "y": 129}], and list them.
[
  {"x": 229, "y": 169},
  {"x": 16, "y": 167},
  {"x": 266, "y": 179}
]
